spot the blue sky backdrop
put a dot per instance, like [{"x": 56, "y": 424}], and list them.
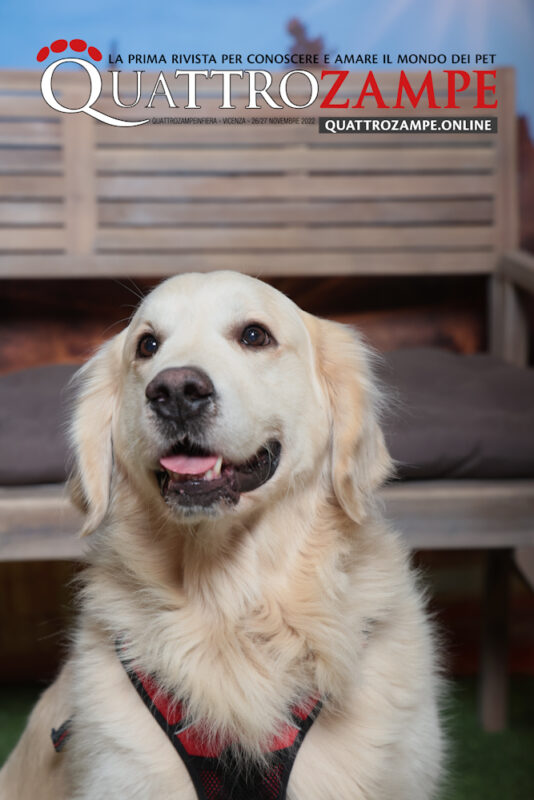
[{"x": 505, "y": 27}]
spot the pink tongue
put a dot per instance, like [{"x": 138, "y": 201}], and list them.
[{"x": 188, "y": 465}]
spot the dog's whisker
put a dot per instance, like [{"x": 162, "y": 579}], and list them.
[{"x": 133, "y": 289}]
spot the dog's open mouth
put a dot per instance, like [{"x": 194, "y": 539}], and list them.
[{"x": 194, "y": 477}]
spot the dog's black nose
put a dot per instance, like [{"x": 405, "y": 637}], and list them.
[{"x": 180, "y": 392}]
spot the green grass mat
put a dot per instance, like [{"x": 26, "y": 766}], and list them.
[
  {"x": 498, "y": 766},
  {"x": 15, "y": 704},
  {"x": 490, "y": 766}
]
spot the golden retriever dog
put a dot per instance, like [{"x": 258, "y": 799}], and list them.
[{"x": 250, "y": 626}]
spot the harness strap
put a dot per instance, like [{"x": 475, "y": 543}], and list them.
[
  {"x": 61, "y": 735},
  {"x": 212, "y": 767}
]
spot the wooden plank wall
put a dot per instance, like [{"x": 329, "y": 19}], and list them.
[{"x": 83, "y": 198}]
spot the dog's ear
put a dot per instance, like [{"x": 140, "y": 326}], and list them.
[
  {"x": 360, "y": 460},
  {"x": 96, "y": 386}
]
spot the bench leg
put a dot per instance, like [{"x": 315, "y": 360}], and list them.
[{"x": 493, "y": 689}]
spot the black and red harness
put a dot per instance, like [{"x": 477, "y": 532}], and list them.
[{"x": 214, "y": 771}]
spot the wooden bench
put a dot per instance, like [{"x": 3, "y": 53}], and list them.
[{"x": 82, "y": 199}]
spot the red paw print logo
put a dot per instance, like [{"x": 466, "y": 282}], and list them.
[
  {"x": 78, "y": 45},
  {"x": 87, "y": 101}
]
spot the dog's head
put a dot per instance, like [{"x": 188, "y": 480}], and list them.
[{"x": 222, "y": 395}]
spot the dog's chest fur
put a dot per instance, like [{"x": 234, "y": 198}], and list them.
[{"x": 239, "y": 645}]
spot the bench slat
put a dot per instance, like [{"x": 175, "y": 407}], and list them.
[
  {"x": 25, "y": 160},
  {"x": 155, "y": 213},
  {"x": 316, "y": 159},
  {"x": 26, "y": 238},
  {"x": 31, "y": 213},
  {"x": 325, "y": 238},
  {"x": 463, "y": 514},
  {"x": 291, "y": 186},
  {"x": 32, "y": 186},
  {"x": 264, "y": 264},
  {"x": 34, "y": 132},
  {"x": 40, "y": 523}
]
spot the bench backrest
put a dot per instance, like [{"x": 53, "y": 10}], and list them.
[{"x": 82, "y": 198}]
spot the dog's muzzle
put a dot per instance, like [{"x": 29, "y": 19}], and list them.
[{"x": 191, "y": 475}]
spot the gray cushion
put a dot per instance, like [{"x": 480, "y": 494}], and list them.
[
  {"x": 459, "y": 416},
  {"x": 448, "y": 416},
  {"x": 33, "y": 446}
]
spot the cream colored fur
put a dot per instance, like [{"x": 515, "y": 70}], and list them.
[{"x": 300, "y": 588}]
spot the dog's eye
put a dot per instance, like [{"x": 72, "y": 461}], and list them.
[
  {"x": 147, "y": 346},
  {"x": 255, "y": 336}
]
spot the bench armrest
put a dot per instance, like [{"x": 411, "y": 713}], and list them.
[{"x": 517, "y": 266}]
